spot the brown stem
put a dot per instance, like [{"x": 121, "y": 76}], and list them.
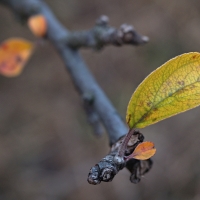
[
  {"x": 126, "y": 158},
  {"x": 122, "y": 149}
]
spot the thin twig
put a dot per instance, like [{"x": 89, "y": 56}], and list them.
[{"x": 102, "y": 34}]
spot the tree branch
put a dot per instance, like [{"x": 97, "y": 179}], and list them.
[
  {"x": 97, "y": 105},
  {"x": 102, "y": 34},
  {"x": 81, "y": 76}
]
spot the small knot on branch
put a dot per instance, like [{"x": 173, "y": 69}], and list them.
[
  {"x": 128, "y": 35},
  {"x": 102, "y": 20}
]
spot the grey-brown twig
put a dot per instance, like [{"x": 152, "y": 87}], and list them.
[
  {"x": 97, "y": 105},
  {"x": 102, "y": 34}
]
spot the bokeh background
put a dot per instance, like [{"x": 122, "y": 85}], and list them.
[{"x": 46, "y": 144}]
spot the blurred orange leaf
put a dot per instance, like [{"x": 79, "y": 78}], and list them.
[
  {"x": 14, "y": 54},
  {"x": 38, "y": 25},
  {"x": 143, "y": 151}
]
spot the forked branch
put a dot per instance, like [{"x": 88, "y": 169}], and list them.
[{"x": 99, "y": 109}]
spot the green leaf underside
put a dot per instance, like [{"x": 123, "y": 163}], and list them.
[{"x": 171, "y": 89}]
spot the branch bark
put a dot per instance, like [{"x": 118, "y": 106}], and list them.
[
  {"x": 97, "y": 105},
  {"x": 102, "y": 34}
]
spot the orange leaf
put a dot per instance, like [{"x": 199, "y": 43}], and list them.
[
  {"x": 143, "y": 151},
  {"x": 38, "y": 25},
  {"x": 14, "y": 53}
]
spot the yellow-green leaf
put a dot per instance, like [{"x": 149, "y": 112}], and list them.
[{"x": 172, "y": 88}]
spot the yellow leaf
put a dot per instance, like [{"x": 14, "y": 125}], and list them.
[
  {"x": 38, "y": 25},
  {"x": 143, "y": 151},
  {"x": 172, "y": 88},
  {"x": 14, "y": 54}
]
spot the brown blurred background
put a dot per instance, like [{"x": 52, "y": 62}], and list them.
[{"x": 46, "y": 144}]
